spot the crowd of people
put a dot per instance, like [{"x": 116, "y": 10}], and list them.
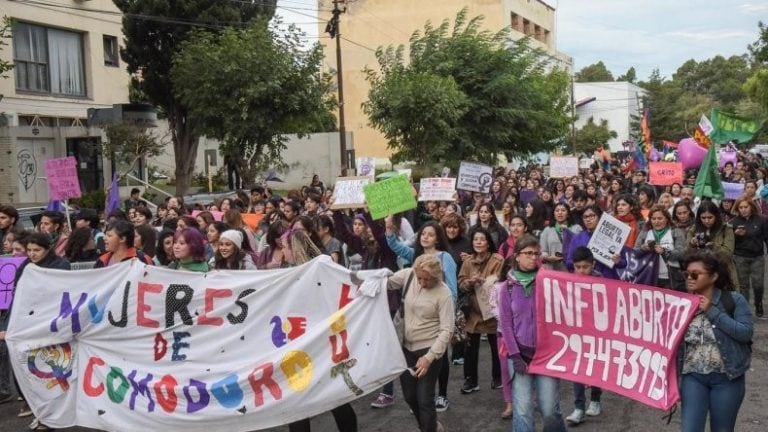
[{"x": 444, "y": 255}]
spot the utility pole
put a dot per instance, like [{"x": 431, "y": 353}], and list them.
[
  {"x": 333, "y": 29},
  {"x": 573, "y": 117}
]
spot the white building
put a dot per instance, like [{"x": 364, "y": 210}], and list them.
[{"x": 615, "y": 102}]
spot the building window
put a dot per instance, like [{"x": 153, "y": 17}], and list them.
[
  {"x": 48, "y": 60},
  {"x": 111, "y": 51},
  {"x": 515, "y": 21}
]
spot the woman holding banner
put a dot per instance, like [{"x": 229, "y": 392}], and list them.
[
  {"x": 189, "y": 251},
  {"x": 658, "y": 238},
  {"x": 716, "y": 349},
  {"x": 429, "y": 322},
  {"x": 517, "y": 316},
  {"x": 554, "y": 237},
  {"x": 591, "y": 218}
]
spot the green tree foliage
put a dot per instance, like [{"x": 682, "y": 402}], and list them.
[
  {"x": 250, "y": 87},
  {"x": 592, "y": 135},
  {"x": 759, "y": 49},
  {"x": 149, "y": 49},
  {"x": 630, "y": 76},
  {"x": 594, "y": 73},
  {"x": 5, "y": 33},
  {"x": 718, "y": 78},
  {"x": 466, "y": 94}
]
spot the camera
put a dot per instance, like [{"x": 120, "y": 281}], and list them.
[
  {"x": 651, "y": 244},
  {"x": 702, "y": 239}
]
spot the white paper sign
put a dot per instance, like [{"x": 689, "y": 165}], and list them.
[
  {"x": 348, "y": 192},
  {"x": 475, "y": 177},
  {"x": 133, "y": 347},
  {"x": 563, "y": 166},
  {"x": 437, "y": 189},
  {"x": 585, "y": 163},
  {"x": 608, "y": 239},
  {"x": 366, "y": 167}
]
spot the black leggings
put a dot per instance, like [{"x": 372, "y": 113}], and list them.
[{"x": 346, "y": 420}]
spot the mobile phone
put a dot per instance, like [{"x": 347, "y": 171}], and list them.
[
  {"x": 652, "y": 244},
  {"x": 559, "y": 254}
]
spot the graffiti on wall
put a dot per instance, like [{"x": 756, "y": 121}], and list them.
[{"x": 27, "y": 168}]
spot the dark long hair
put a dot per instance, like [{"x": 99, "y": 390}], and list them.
[
  {"x": 75, "y": 250},
  {"x": 442, "y": 239},
  {"x": 714, "y": 264},
  {"x": 161, "y": 256},
  {"x": 231, "y": 263},
  {"x": 709, "y": 207},
  {"x": 488, "y": 238},
  {"x": 539, "y": 217}
]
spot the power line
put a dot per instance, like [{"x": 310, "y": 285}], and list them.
[{"x": 359, "y": 44}]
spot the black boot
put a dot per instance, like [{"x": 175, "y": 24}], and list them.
[{"x": 759, "y": 309}]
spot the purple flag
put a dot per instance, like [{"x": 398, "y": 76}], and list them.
[
  {"x": 54, "y": 205},
  {"x": 566, "y": 240},
  {"x": 642, "y": 267},
  {"x": 113, "y": 200},
  {"x": 527, "y": 195},
  {"x": 8, "y": 267}
]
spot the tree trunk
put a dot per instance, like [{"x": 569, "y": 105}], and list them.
[{"x": 185, "y": 143}]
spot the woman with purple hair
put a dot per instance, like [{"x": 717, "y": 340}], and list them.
[{"x": 189, "y": 251}]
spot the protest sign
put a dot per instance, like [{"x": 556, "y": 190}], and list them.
[
  {"x": 437, "y": 189},
  {"x": 585, "y": 163},
  {"x": 608, "y": 239},
  {"x": 217, "y": 215},
  {"x": 348, "y": 192},
  {"x": 133, "y": 347},
  {"x": 393, "y": 195},
  {"x": 665, "y": 173},
  {"x": 618, "y": 336},
  {"x": 733, "y": 190},
  {"x": 475, "y": 177},
  {"x": 366, "y": 167},
  {"x": 563, "y": 166},
  {"x": 61, "y": 174},
  {"x": 8, "y": 266}
]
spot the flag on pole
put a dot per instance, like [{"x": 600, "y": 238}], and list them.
[
  {"x": 708, "y": 183},
  {"x": 54, "y": 205},
  {"x": 113, "y": 199},
  {"x": 646, "y": 131}
]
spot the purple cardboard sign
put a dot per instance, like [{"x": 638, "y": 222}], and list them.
[{"x": 8, "y": 266}]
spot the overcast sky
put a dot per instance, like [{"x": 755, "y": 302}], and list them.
[{"x": 650, "y": 34}]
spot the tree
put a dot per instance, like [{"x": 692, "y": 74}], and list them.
[
  {"x": 284, "y": 90},
  {"x": 126, "y": 144},
  {"x": 466, "y": 94},
  {"x": 630, "y": 76},
  {"x": 150, "y": 45},
  {"x": 594, "y": 73},
  {"x": 591, "y": 136},
  {"x": 5, "y": 33},
  {"x": 759, "y": 49}
]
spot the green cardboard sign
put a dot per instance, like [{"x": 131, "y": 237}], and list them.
[{"x": 390, "y": 196}]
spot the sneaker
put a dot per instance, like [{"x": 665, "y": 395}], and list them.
[
  {"x": 5, "y": 398},
  {"x": 441, "y": 404},
  {"x": 576, "y": 417},
  {"x": 458, "y": 361},
  {"x": 495, "y": 385},
  {"x": 469, "y": 387},
  {"x": 383, "y": 401},
  {"x": 25, "y": 411},
  {"x": 594, "y": 409}
]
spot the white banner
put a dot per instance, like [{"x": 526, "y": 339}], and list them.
[
  {"x": 563, "y": 166},
  {"x": 141, "y": 348},
  {"x": 608, "y": 239},
  {"x": 437, "y": 189},
  {"x": 475, "y": 177}
]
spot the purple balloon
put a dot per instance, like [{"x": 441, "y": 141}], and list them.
[
  {"x": 655, "y": 155},
  {"x": 727, "y": 156},
  {"x": 690, "y": 153}
]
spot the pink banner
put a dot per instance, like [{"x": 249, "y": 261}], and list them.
[
  {"x": 618, "y": 336},
  {"x": 8, "y": 266},
  {"x": 61, "y": 174},
  {"x": 217, "y": 215}
]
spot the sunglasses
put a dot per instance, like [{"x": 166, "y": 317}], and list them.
[{"x": 693, "y": 275}]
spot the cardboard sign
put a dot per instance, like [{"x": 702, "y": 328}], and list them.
[
  {"x": 733, "y": 190},
  {"x": 585, "y": 163},
  {"x": 366, "y": 167},
  {"x": 393, "y": 195},
  {"x": 8, "y": 267},
  {"x": 63, "y": 183},
  {"x": 665, "y": 173},
  {"x": 252, "y": 220},
  {"x": 608, "y": 239},
  {"x": 475, "y": 177},
  {"x": 437, "y": 189},
  {"x": 108, "y": 349},
  {"x": 619, "y": 336},
  {"x": 348, "y": 192},
  {"x": 563, "y": 166}
]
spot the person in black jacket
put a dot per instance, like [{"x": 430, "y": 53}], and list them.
[{"x": 750, "y": 233}]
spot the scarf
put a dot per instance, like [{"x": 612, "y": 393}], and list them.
[
  {"x": 631, "y": 221},
  {"x": 526, "y": 280},
  {"x": 658, "y": 235},
  {"x": 195, "y": 266}
]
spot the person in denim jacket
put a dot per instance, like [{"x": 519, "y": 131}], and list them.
[{"x": 716, "y": 349}]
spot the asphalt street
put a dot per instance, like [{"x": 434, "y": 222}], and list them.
[{"x": 481, "y": 411}]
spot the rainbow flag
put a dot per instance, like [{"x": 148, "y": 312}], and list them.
[{"x": 646, "y": 132}]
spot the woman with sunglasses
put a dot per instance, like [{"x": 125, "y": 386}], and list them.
[
  {"x": 710, "y": 232},
  {"x": 518, "y": 327},
  {"x": 715, "y": 352}
]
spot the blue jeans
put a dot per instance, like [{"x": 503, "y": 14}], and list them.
[
  {"x": 579, "y": 395},
  {"x": 548, "y": 395},
  {"x": 712, "y": 394}
]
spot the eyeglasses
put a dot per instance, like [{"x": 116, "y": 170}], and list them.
[
  {"x": 530, "y": 253},
  {"x": 693, "y": 275},
  {"x": 589, "y": 216}
]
